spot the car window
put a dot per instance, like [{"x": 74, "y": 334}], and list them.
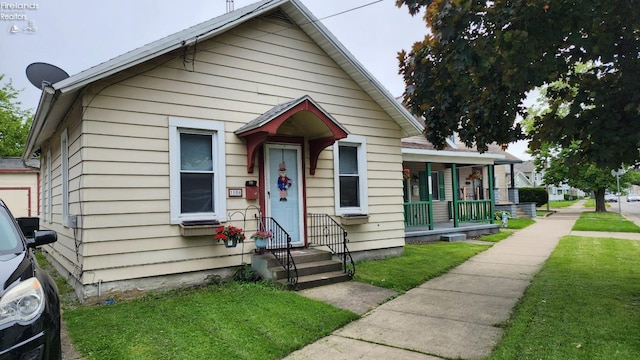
[{"x": 10, "y": 241}]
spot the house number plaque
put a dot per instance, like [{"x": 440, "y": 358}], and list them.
[{"x": 235, "y": 192}]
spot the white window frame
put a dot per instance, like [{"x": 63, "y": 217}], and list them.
[
  {"x": 48, "y": 214},
  {"x": 64, "y": 171},
  {"x": 360, "y": 142},
  {"x": 216, "y": 129}
]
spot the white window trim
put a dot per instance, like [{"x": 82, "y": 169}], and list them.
[
  {"x": 43, "y": 187},
  {"x": 219, "y": 165},
  {"x": 64, "y": 171},
  {"x": 48, "y": 215},
  {"x": 360, "y": 142}
]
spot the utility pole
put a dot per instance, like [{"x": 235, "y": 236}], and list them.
[
  {"x": 229, "y": 6},
  {"x": 617, "y": 174}
]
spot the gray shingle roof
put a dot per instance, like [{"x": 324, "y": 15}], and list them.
[{"x": 14, "y": 163}]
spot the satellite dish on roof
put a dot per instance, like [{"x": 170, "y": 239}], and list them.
[{"x": 39, "y": 73}]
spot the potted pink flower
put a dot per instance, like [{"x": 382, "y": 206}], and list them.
[{"x": 261, "y": 238}]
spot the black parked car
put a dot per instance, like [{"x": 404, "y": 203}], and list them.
[{"x": 29, "y": 302}]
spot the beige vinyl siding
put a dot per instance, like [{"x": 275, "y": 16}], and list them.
[
  {"x": 235, "y": 78},
  {"x": 67, "y": 251}
]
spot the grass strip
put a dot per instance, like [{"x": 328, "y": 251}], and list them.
[
  {"x": 584, "y": 304},
  {"x": 556, "y": 204},
  {"x": 497, "y": 237},
  {"x": 517, "y": 224},
  {"x": 604, "y": 221}
]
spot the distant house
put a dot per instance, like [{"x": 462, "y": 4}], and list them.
[
  {"x": 451, "y": 189},
  {"x": 20, "y": 185},
  {"x": 144, "y": 155},
  {"x": 527, "y": 176}
]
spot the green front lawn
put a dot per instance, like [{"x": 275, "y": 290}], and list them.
[
  {"x": 604, "y": 221},
  {"x": 232, "y": 321},
  {"x": 240, "y": 320},
  {"x": 584, "y": 304},
  {"x": 418, "y": 264}
]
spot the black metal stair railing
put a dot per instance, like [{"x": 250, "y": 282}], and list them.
[
  {"x": 280, "y": 246},
  {"x": 323, "y": 230}
]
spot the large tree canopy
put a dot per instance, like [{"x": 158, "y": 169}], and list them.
[
  {"x": 14, "y": 121},
  {"x": 472, "y": 72}
]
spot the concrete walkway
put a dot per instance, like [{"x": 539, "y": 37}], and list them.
[{"x": 452, "y": 316}]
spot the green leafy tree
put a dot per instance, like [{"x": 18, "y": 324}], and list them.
[
  {"x": 567, "y": 166},
  {"x": 471, "y": 73},
  {"x": 14, "y": 121}
]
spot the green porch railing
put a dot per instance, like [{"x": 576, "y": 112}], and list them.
[
  {"x": 472, "y": 210},
  {"x": 416, "y": 214}
]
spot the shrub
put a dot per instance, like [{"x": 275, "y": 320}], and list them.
[
  {"x": 536, "y": 195},
  {"x": 246, "y": 274}
]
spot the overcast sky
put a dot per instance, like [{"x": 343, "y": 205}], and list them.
[{"x": 75, "y": 35}]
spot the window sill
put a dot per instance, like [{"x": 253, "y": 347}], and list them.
[
  {"x": 199, "y": 228},
  {"x": 354, "y": 219}
]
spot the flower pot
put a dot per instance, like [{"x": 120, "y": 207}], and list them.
[
  {"x": 231, "y": 243},
  {"x": 261, "y": 243}
]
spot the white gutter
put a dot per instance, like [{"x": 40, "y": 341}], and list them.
[{"x": 449, "y": 156}]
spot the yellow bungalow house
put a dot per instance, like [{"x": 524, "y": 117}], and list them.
[{"x": 143, "y": 156}]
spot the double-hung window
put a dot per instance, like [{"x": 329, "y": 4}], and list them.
[
  {"x": 197, "y": 170},
  {"x": 350, "y": 168}
]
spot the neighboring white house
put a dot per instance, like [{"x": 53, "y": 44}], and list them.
[
  {"x": 527, "y": 176},
  {"x": 194, "y": 129}
]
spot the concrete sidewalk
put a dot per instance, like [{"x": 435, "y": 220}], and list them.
[{"x": 452, "y": 316}]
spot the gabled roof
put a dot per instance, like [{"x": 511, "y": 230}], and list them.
[
  {"x": 57, "y": 98},
  {"x": 280, "y": 109},
  {"x": 258, "y": 131},
  {"x": 419, "y": 146}
]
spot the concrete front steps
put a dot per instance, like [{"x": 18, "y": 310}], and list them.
[{"x": 315, "y": 268}]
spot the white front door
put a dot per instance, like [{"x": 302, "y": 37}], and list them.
[{"x": 283, "y": 176}]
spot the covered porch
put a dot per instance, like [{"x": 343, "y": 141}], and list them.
[
  {"x": 451, "y": 191},
  {"x": 457, "y": 200}
]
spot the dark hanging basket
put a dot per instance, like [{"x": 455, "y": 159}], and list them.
[{"x": 229, "y": 243}]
